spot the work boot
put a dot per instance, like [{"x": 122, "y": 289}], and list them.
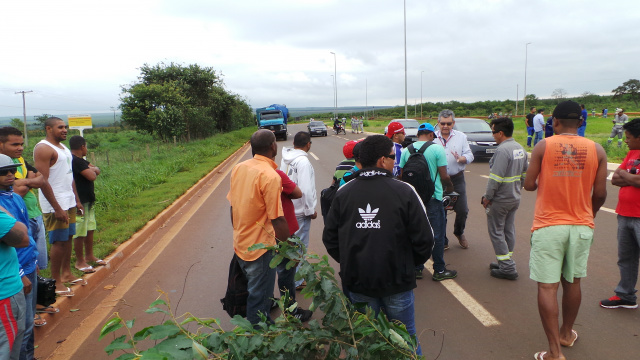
[{"x": 500, "y": 274}]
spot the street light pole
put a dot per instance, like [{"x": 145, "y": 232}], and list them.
[
  {"x": 405, "y": 59},
  {"x": 421, "y": 72},
  {"x": 335, "y": 80},
  {"x": 524, "y": 110},
  {"x": 333, "y": 83}
]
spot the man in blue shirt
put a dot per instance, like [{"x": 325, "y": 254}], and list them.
[{"x": 583, "y": 126}]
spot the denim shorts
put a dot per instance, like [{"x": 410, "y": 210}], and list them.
[
  {"x": 58, "y": 230},
  {"x": 560, "y": 250}
]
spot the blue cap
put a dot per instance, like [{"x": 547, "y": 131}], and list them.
[{"x": 427, "y": 127}]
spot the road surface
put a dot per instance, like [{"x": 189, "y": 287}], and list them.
[{"x": 473, "y": 317}]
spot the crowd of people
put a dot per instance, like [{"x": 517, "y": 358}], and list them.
[
  {"x": 53, "y": 198},
  {"x": 376, "y": 219}
]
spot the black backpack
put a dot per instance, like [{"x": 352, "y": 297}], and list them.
[
  {"x": 235, "y": 300},
  {"x": 327, "y": 195},
  {"x": 416, "y": 172}
]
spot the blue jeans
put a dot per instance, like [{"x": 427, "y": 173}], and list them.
[
  {"x": 37, "y": 231},
  {"x": 530, "y": 133},
  {"x": 628, "y": 256},
  {"x": 12, "y": 309},
  {"x": 435, "y": 213},
  {"x": 261, "y": 279},
  {"x": 27, "y": 346},
  {"x": 539, "y": 136},
  {"x": 397, "y": 307},
  {"x": 581, "y": 130},
  {"x": 304, "y": 225}
]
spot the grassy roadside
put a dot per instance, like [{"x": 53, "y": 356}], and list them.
[{"x": 143, "y": 177}]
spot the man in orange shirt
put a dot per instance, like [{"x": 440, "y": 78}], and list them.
[
  {"x": 570, "y": 174},
  {"x": 257, "y": 217}
]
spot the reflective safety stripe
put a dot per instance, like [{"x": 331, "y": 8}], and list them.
[
  {"x": 509, "y": 179},
  {"x": 503, "y": 257}
]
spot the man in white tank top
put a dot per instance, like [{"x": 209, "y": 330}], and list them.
[{"x": 58, "y": 200}]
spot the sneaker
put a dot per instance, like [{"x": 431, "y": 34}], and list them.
[
  {"x": 500, "y": 274},
  {"x": 615, "y": 302},
  {"x": 494, "y": 266},
  {"x": 418, "y": 274},
  {"x": 444, "y": 275},
  {"x": 446, "y": 247},
  {"x": 301, "y": 314}
]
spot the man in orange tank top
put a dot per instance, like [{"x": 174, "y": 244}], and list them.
[{"x": 570, "y": 173}]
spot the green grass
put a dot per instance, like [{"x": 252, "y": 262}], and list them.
[{"x": 142, "y": 177}]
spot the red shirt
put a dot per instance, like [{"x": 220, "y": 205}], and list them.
[
  {"x": 628, "y": 204},
  {"x": 287, "y": 205}
]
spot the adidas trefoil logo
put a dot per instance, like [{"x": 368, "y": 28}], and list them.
[{"x": 368, "y": 215}]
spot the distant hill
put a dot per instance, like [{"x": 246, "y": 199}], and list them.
[
  {"x": 306, "y": 111},
  {"x": 97, "y": 119}
]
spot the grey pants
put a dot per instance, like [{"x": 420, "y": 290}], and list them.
[
  {"x": 502, "y": 232},
  {"x": 628, "y": 256},
  {"x": 616, "y": 131}
]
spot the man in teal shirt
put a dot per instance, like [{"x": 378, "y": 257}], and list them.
[{"x": 437, "y": 160}]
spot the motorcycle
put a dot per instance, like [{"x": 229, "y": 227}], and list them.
[{"x": 339, "y": 129}]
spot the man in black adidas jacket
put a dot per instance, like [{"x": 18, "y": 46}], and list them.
[{"x": 378, "y": 230}]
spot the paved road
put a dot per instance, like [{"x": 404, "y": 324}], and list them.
[{"x": 472, "y": 317}]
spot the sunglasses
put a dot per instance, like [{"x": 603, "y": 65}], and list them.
[
  {"x": 391, "y": 156},
  {"x": 446, "y": 123},
  {"x": 495, "y": 132},
  {"x": 6, "y": 172}
]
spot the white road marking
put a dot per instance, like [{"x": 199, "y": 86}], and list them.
[
  {"x": 466, "y": 300},
  {"x": 314, "y": 155}
]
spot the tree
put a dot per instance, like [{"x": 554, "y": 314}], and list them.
[
  {"x": 42, "y": 118},
  {"x": 183, "y": 101},
  {"x": 559, "y": 94},
  {"x": 631, "y": 88},
  {"x": 17, "y": 123}
]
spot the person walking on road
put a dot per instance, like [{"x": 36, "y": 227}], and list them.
[
  {"x": 570, "y": 174},
  {"x": 59, "y": 201},
  {"x": 538, "y": 126},
  {"x": 459, "y": 154},
  {"x": 437, "y": 162},
  {"x": 257, "y": 217},
  {"x": 618, "y": 121},
  {"x": 502, "y": 197},
  {"x": 378, "y": 230},
  {"x": 295, "y": 163},
  {"x": 627, "y": 177},
  {"x": 528, "y": 120}
]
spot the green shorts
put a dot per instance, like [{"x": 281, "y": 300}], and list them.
[
  {"x": 560, "y": 249},
  {"x": 87, "y": 221}
]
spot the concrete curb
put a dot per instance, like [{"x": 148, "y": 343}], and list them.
[{"x": 115, "y": 259}]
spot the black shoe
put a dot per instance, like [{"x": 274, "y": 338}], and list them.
[
  {"x": 615, "y": 302},
  {"x": 418, "y": 274},
  {"x": 494, "y": 266},
  {"x": 446, "y": 274},
  {"x": 301, "y": 314},
  {"x": 497, "y": 273}
]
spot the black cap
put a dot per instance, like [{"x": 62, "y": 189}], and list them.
[{"x": 568, "y": 110}]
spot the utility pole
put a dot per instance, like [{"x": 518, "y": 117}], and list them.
[{"x": 24, "y": 115}]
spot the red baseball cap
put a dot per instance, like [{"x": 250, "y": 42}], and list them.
[
  {"x": 394, "y": 128},
  {"x": 347, "y": 149}
]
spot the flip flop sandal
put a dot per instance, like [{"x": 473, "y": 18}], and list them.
[
  {"x": 38, "y": 321},
  {"x": 539, "y": 355},
  {"x": 87, "y": 269},
  {"x": 47, "y": 310},
  {"x": 67, "y": 293},
  {"x": 574, "y": 339},
  {"x": 80, "y": 281},
  {"x": 100, "y": 262}
]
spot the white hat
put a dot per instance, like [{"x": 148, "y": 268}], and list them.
[{"x": 7, "y": 163}]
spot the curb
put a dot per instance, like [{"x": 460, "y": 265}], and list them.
[{"x": 122, "y": 252}]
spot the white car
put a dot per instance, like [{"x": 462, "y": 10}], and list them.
[{"x": 410, "y": 128}]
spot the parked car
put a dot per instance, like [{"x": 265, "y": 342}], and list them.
[
  {"x": 317, "y": 128},
  {"x": 479, "y": 136},
  {"x": 410, "y": 128}
]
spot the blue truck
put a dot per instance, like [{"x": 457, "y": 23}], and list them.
[{"x": 274, "y": 117}]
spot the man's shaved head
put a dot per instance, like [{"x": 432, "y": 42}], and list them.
[{"x": 261, "y": 142}]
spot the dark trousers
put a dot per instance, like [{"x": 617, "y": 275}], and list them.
[{"x": 461, "y": 209}]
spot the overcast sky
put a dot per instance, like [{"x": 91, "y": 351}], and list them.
[{"x": 76, "y": 55}]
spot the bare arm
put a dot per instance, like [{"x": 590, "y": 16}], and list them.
[
  {"x": 621, "y": 177},
  {"x": 33, "y": 181},
  {"x": 296, "y": 193},
  {"x": 89, "y": 174},
  {"x": 281, "y": 228},
  {"x": 16, "y": 237},
  {"x": 78, "y": 203},
  {"x": 599, "y": 194},
  {"x": 531, "y": 181},
  {"x": 445, "y": 179}
]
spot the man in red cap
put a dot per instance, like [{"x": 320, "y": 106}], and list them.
[
  {"x": 346, "y": 164},
  {"x": 395, "y": 132}
]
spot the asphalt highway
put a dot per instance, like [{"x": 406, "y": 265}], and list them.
[{"x": 472, "y": 317}]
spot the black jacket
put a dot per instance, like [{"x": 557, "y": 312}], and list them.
[{"x": 377, "y": 229}]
